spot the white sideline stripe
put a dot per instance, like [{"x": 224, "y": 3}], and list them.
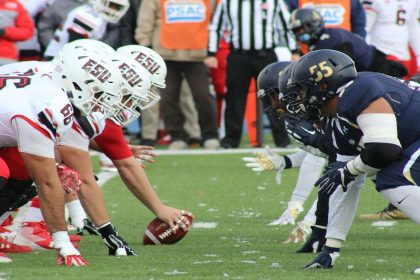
[
  {"x": 215, "y": 152},
  {"x": 104, "y": 177},
  {"x": 204, "y": 225}
]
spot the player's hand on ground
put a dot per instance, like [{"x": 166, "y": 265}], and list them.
[
  {"x": 300, "y": 233},
  {"x": 266, "y": 160},
  {"x": 175, "y": 217},
  {"x": 69, "y": 256},
  {"x": 69, "y": 178}
]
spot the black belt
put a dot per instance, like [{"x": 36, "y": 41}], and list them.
[{"x": 263, "y": 52}]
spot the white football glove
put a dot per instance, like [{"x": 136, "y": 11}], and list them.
[
  {"x": 265, "y": 161},
  {"x": 300, "y": 233},
  {"x": 289, "y": 215}
]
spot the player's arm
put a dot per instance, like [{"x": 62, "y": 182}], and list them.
[
  {"x": 380, "y": 137},
  {"x": 37, "y": 151},
  {"x": 90, "y": 194},
  {"x": 134, "y": 177}
]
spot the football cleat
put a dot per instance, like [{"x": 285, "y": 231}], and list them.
[
  {"x": 36, "y": 235},
  {"x": 4, "y": 258},
  {"x": 325, "y": 259},
  {"x": 7, "y": 245},
  {"x": 388, "y": 213},
  {"x": 300, "y": 233},
  {"x": 315, "y": 242},
  {"x": 89, "y": 227}
]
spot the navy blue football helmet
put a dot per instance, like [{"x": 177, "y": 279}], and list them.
[
  {"x": 267, "y": 84},
  {"x": 318, "y": 75},
  {"x": 307, "y": 25}
]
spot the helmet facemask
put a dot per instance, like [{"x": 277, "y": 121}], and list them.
[{"x": 111, "y": 10}]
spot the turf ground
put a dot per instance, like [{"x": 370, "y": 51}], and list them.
[{"x": 221, "y": 192}]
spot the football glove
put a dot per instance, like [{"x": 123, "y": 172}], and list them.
[
  {"x": 300, "y": 233},
  {"x": 116, "y": 244},
  {"x": 302, "y": 130},
  {"x": 289, "y": 215},
  {"x": 266, "y": 160},
  {"x": 66, "y": 253},
  {"x": 315, "y": 242},
  {"x": 336, "y": 175},
  {"x": 69, "y": 178},
  {"x": 69, "y": 256},
  {"x": 325, "y": 259}
]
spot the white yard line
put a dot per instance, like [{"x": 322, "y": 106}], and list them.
[{"x": 214, "y": 152}]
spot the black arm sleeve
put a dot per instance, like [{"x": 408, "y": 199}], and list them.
[{"x": 379, "y": 155}]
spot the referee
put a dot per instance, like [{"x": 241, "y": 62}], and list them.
[{"x": 256, "y": 27}]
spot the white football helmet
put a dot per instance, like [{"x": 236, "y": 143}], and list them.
[
  {"x": 90, "y": 79},
  {"x": 153, "y": 63},
  {"x": 92, "y": 45},
  {"x": 135, "y": 89},
  {"x": 111, "y": 10}
]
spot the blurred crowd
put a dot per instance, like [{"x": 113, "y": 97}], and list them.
[{"x": 214, "y": 51}]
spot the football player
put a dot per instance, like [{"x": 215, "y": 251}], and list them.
[
  {"x": 377, "y": 136},
  {"x": 308, "y": 26},
  {"x": 86, "y": 21},
  {"x": 34, "y": 119},
  {"x": 393, "y": 28},
  {"x": 311, "y": 166}
]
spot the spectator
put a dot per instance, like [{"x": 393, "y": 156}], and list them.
[
  {"x": 252, "y": 43},
  {"x": 345, "y": 14},
  {"x": 181, "y": 41},
  {"x": 393, "y": 27},
  {"x": 308, "y": 26},
  {"x": 52, "y": 17},
  {"x": 86, "y": 21},
  {"x": 15, "y": 25},
  {"x": 30, "y": 49}
]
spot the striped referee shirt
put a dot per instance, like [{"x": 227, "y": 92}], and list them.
[{"x": 253, "y": 25}]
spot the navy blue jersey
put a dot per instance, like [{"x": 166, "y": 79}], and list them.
[
  {"x": 344, "y": 137},
  {"x": 340, "y": 39},
  {"x": 368, "y": 87}
]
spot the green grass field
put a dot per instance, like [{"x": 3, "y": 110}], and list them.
[{"x": 220, "y": 189}]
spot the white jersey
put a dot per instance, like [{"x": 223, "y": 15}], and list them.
[
  {"x": 83, "y": 20},
  {"x": 43, "y": 67},
  {"x": 34, "y": 8},
  {"x": 83, "y": 128},
  {"x": 37, "y": 101},
  {"x": 392, "y": 26}
]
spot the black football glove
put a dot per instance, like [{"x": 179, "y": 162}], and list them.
[
  {"x": 117, "y": 246},
  {"x": 336, "y": 175},
  {"x": 302, "y": 130}
]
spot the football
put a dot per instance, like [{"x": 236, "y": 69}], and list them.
[{"x": 158, "y": 232}]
